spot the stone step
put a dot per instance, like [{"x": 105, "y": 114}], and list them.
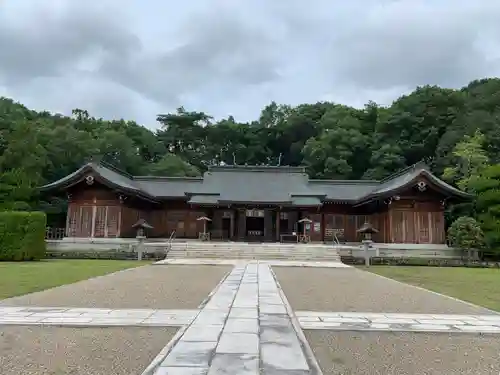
[
  {"x": 237, "y": 250},
  {"x": 229, "y": 255},
  {"x": 243, "y": 255},
  {"x": 253, "y": 252}
]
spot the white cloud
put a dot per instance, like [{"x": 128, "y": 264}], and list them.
[{"x": 123, "y": 59}]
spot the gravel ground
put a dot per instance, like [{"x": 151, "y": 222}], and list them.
[
  {"x": 73, "y": 351},
  {"x": 375, "y": 353},
  {"x": 157, "y": 287},
  {"x": 352, "y": 290}
]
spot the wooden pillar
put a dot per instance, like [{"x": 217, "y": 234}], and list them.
[
  {"x": 106, "y": 221},
  {"x": 242, "y": 224},
  {"x": 268, "y": 225},
  {"x": 94, "y": 213},
  {"x": 292, "y": 220},
  {"x": 390, "y": 229},
  {"x": 278, "y": 219},
  {"x": 231, "y": 225},
  {"x": 118, "y": 234},
  {"x": 323, "y": 227},
  {"x": 68, "y": 222}
]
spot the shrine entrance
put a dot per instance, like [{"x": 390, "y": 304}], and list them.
[{"x": 255, "y": 225}]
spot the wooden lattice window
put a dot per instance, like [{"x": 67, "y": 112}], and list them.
[
  {"x": 113, "y": 221},
  {"x": 100, "y": 221}
]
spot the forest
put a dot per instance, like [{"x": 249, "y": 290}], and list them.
[{"x": 455, "y": 131}]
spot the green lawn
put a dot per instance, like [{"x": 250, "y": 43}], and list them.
[
  {"x": 17, "y": 278},
  {"x": 480, "y": 286}
]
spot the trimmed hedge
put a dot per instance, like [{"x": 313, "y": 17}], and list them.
[{"x": 22, "y": 235}]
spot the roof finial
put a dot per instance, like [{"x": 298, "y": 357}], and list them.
[{"x": 279, "y": 159}]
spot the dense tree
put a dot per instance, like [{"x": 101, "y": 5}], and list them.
[
  {"x": 470, "y": 160},
  {"x": 487, "y": 188},
  {"x": 455, "y": 131},
  {"x": 173, "y": 166}
]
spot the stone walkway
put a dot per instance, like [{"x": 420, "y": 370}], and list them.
[
  {"x": 93, "y": 317},
  {"x": 243, "y": 328},
  {"x": 399, "y": 322},
  {"x": 246, "y": 325}
]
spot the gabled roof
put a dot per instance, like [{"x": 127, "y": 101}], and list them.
[
  {"x": 257, "y": 184},
  {"x": 104, "y": 174},
  {"x": 408, "y": 177},
  {"x": 343, "y": 190}
]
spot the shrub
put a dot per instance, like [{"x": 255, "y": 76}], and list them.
[
  {"x": 466, "y": 234},
  {"x": 22, "y": 235}
]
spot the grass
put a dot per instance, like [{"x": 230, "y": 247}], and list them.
[
  {"x": 17, "y": 278},
  {"x": 480, "y": 286}
]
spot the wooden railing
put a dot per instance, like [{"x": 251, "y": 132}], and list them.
[
  {"x": 169, "y": 243},
  {"x": 54, "y": 233}
]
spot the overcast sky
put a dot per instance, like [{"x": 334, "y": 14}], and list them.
[{"x": 134, "y": 59}]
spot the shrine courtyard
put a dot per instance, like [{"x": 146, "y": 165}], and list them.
[{"x": 258, "y": 317}]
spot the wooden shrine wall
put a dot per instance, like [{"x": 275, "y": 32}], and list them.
[
  {"x": 416, "y": 222},
  {"x": 93, "y": 211}
]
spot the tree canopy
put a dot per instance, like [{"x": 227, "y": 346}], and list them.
[{"x": 444, "y": 127}]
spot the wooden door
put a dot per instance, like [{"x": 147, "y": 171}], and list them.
[
  {"x": 84, "y": 225},
  {"x": 423, "y": 227}
]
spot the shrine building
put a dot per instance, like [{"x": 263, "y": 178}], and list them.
[{"x": 257, "y": 203}]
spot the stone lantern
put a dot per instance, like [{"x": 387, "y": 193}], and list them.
[
  {"x": 367, "y": 230},
  {"x": 141, "y": 227}
]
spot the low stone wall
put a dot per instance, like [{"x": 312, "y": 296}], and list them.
[
  {"x": 403, "y": 251},
  {"x": 428, "y": 262}
]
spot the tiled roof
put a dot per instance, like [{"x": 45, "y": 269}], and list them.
[
  {"x": 343, "y": 190},
  {"x": 256, "y": 184}
]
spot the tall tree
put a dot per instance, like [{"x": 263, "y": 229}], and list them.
[{"x": 470, "y": 161}]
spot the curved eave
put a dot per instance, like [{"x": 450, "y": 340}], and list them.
[
  {"x": 255, "y": 203},
  {"x": 320, "y": 196},
  {"x": 79, "y": 176},
  {"x": 339, "y": 201},
  {"x": 68, "y": 180},
  {"x": 438, "y": 183}
]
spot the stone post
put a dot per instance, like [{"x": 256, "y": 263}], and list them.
[
  {"x": 366, "y": 246},
  {"x": 140, "y": 247}
]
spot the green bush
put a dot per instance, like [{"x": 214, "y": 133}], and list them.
[
  {"x": 466, "y": 234},
  {"x": 22, "y": 235}
]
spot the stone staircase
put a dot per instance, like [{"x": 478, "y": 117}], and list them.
[{"x": 243, "y": 250}]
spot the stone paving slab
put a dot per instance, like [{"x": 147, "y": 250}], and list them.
[
  {"x": 243, "y": 329},
  {"x": 94, "y": 317},
  {"x": 90, "y": 351},
  {"x": 405, "y": 353},
  {"x": 398, "y": 322},
  {"x": 353, "y": 290},
  {"x": 150, "y": 287}
]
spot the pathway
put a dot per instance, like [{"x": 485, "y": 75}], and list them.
[
  {"x": 246, "y": 326},
  {"x": 315, "y": 320}
]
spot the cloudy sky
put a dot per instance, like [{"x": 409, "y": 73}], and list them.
[{"x": 135, "y": 59}]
